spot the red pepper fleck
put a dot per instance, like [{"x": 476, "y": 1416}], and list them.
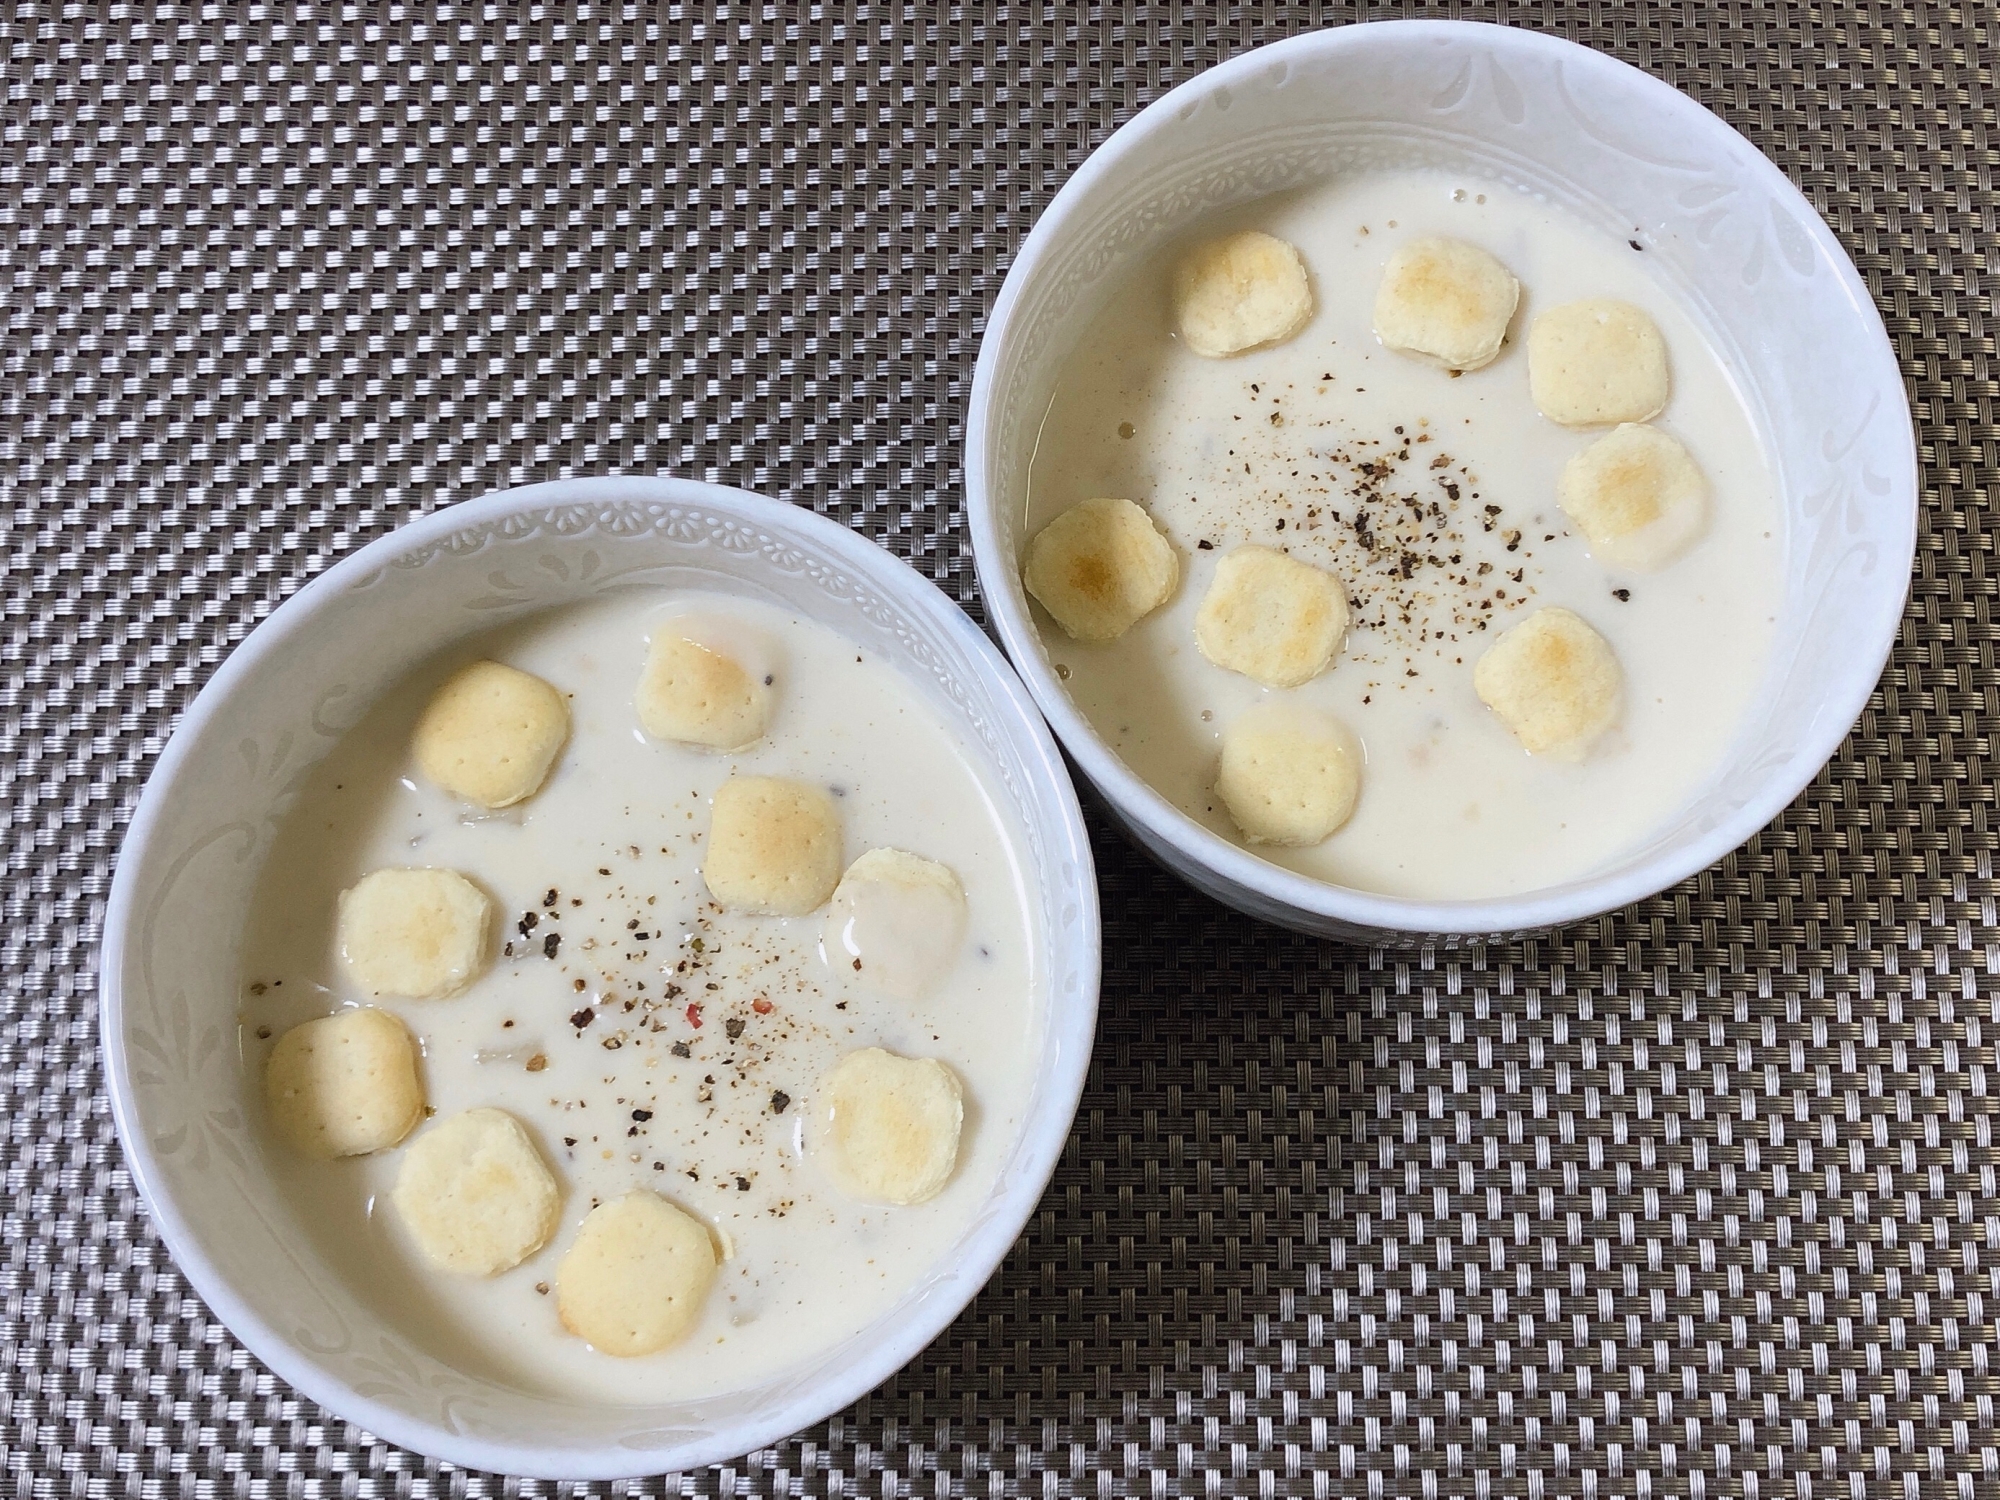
[
  {"x": 762, "y": 1006},
  {"x": 694, "y": 1014}
]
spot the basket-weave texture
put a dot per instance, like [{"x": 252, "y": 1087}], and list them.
[{"x": 1696, "y": 1199}]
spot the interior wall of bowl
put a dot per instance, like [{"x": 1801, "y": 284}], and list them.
[
  {"x": 1767, "y": 287},
  {"x": 242, "y": 767}
]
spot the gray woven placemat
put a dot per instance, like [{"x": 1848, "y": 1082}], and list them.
[{"x": 1711, "y": 1208}]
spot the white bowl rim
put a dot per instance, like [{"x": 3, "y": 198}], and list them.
[
  {"x": 1160, "y": 820},
  {"x": 986, "y": 1250}
]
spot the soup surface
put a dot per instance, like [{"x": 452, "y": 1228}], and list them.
[
  {"x": 646, "y": 1037},
  {"x": 1433, "y": 498}
]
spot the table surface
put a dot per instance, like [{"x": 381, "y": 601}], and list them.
[{"x": 1696, "y": 1198}]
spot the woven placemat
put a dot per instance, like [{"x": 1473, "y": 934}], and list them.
[{"x": 1699, "y": 1198}]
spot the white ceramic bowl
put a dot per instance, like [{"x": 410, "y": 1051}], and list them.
[
  {"x": 170, "y": 972},
  {"x": 1744, "y": 251}
]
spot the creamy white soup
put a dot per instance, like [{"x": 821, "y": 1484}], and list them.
[
  {"x": 1432, "y": 496},
  {"x": 644, "y": 1036}
]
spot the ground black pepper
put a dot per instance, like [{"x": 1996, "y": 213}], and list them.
[{"x": 1407, "y": 544}]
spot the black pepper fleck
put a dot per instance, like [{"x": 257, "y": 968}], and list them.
[
  {"x": 681, "y": 1049},
  {"x": 642, "y": 1115},
  {"x": 780, "y": 1101},
  {"x": 550, "y": 943},
  {"x": 582, "y": 1018},
  {"x": 1621, "y": 595}
]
